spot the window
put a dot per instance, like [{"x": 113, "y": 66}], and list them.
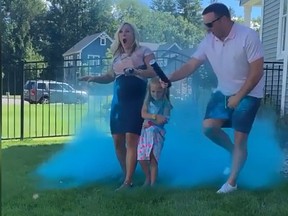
[
  {"x": 93, "y": 60},
  {"x": 78, "y": 60},
  {"x": 54, "y": 86},
  {"x": 67, "y": 87},
  {"x": 282, "y": 45},
  {"x": 70, "y": 62},
  {"x": 41, "y": 86},
  {"x": 102, "y": 41}
]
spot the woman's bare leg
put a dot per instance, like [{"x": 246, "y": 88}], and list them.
[
  {"x": 120, "y": 149},
  {"x": 131, "y": 155}
]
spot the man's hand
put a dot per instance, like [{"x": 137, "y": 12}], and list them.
[
  {"x": 233, "y": 101},
  {"x": 163, "y": 84}
]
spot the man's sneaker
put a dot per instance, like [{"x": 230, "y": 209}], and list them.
[{"x": 227, "y": 188}]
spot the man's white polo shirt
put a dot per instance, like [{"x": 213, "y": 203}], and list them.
[{"x": 230, "y": 58}]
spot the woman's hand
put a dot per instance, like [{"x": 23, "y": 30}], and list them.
[
  {"x": 138, "y": 72},
  {"x": 86, "y": 78}
]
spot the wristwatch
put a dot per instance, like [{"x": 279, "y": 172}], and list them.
[{"x": 154, "y": 116}]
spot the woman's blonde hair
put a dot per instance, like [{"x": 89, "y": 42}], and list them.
[
  {"x": 156, "y": 81},
  {"x": 116, "y": 46}
]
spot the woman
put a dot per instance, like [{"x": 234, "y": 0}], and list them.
[{"x": 130, "y": 70}]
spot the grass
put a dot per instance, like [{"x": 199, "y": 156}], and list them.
[
  {"x": 99, "y": 199},
  {"x": 19, "y": 160},
  {"x": 47, "y": 120}
]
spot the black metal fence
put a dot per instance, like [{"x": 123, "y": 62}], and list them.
[
  {"x": 26, "y": 113},
  {"x": 273, "y": 83}
]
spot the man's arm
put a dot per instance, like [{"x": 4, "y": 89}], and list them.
[
  {"x": 254, "y": 76},
  {"x": 186, "y": 70}
]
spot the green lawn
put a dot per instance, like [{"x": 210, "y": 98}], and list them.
[
  {"x": 99, "y": 199},
  {"x": 49, "y": 119}
]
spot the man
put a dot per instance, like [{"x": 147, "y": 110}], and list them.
[{"x": 236, "y": 56}]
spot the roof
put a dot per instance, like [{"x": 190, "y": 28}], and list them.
[
  {"x": 152, "y": 46},
  {"x": 188, "y": 51},
  {"x": 78, "y": 47},
  {"x": 168, "y": 46},
  {"x": 159, "y": 46}
]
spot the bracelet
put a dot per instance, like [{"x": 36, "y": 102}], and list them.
[
  {"x": 138, "y": 72},
  {"x": 154, "y": 116}
]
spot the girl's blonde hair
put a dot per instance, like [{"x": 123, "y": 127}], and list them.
[
  {"x": 116, "y": 46},
  {"x": 148, "y": 97}
]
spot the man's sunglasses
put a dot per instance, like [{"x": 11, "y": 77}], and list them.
[{"x": 210, "y": 24}]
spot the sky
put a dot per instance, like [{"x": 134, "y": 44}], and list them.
[{"x": 234, "y": 4}]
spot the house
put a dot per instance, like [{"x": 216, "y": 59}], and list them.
[
  {"x": 89, "y": 56},
  {"x": 274, "y": 35},
  {"x": 164, "y": 52},
  {"x": 86, "y": 56}
]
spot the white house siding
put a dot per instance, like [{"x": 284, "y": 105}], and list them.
[
  {"x": 270, "y": 28},
  {"x": 242, "y": 2},
  {"x": 286, "y": 96},
  {"x": 271, "y": 9},
  {"x": 286, "y": 106}
]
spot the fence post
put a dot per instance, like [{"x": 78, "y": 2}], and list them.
[
  {"x": 22, "y": 100},
  {"x": 284, "y": 85},
  {"x": 1, "y": 91}
]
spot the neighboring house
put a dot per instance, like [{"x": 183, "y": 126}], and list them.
[
  {"x": 86, "y": 56},
  {"x": 274, "y": 35},
  {"x": 164, "y": 52}
]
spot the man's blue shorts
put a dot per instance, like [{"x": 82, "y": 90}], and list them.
[{"x": 241, "y": 118}]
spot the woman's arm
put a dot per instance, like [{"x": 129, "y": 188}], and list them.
[
  {"x": 149, "y": 72},
  {"x": 103, "y": 79}
]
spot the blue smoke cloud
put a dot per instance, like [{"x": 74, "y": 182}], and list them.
[{"x": 188, "y": 158}]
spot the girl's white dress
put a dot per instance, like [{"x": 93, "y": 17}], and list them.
[{"x": 152, "y": 137}]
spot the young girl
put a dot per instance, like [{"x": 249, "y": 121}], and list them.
[{"x": 155, "y": 112}]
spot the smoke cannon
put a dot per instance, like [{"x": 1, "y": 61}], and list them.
[{"x": 160, "y": 72}]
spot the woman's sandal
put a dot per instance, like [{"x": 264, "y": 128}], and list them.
[{"x": 125, "y": 185}]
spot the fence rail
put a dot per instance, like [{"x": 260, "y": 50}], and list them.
[
  {"x": 21, "y": 119},
  {"x": 273, "y": 83}
]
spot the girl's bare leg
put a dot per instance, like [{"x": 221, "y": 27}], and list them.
[
  {"x": 153, "y": 168},
  {"x": 145, "y": 164}
]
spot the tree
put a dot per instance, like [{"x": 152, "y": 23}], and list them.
[
  {"x": 190, "y": 10},
  {"x": 35, "y": 69},
  {"x": 16, "y": 21},
  {"x": 157, "y": 26},
  {"x": 164, "y": 6},
  {"x": 67, "y": 22}
]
